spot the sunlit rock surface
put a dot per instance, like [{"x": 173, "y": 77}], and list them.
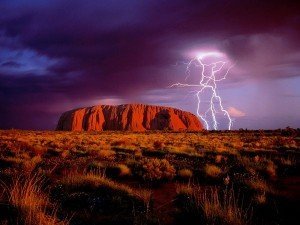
[{"x": 129, "y": 117}]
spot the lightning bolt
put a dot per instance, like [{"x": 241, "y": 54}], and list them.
[{"x": 208, "y": 82}]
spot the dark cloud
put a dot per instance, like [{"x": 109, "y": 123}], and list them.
[
  {"x": 11, "y": 64},
  {"x": 70, "y": 53}
]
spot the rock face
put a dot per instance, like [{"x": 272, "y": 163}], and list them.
[{"x": 129, "y": 117}]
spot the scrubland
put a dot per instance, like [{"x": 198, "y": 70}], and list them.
[{"x": 208, "y": 178}]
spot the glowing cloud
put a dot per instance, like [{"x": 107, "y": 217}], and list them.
[
  {"x": 202, "y": 55},
  {"x": 234, "y": 112}
]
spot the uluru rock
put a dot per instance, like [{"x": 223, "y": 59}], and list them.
[{"x": 129, "y": 117}]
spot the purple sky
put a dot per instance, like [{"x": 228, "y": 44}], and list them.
[{"x": 57, "y": 55}]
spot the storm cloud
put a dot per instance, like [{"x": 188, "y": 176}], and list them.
[{"x": 57, "y": 55}]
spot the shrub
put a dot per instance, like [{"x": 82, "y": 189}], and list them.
[
  {"x": 218, "y": 158},
  {"x": 124, "y": 170},
  {"x": 270, "y": 169},
  {"x": 256, "y": 159},
  {"x": 119, "y": 170},
  {"x": 158, "y": 145},
  {"x": 287, "y": 161},
  {"x": 183, "y": 189},
  {"x": 65, "y": 154},
  {"x": 30, "y": 165},
  {"x": 212, "y": 170},
  {"x": 264, "y": 166},
  {"x": 258, "y": 185},
  {"x": 107, "y": 154},
  {"x": 156, "y": 169},
  {"x": 260, "y": 198},
  {"x": 118, "y": 143},
  {"x": 39, "y": 149},
  {"x": 288, "y": 131},
  {"x": 185, "y": 173}
]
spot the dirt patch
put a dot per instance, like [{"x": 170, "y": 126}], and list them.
[{"x": 164, "y": 197}]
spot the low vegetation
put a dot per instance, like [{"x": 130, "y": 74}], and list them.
[
  {"x": 212, "y": 171},
  {"x": 24, "y": 202},
  {"x": 212, "y": 206},
  {"x": 155, "y": 169},
  {"x": 210, "y": 178}
]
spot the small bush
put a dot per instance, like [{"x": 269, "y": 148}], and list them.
[
  {"x": 185, "y": 173},
  {"x": 124, "y": 170},
  {"x": 184, "y": 190},
  {"x": 212, "y": 170},
  {"x": 260, "y": 198},
  {"x": 119, "y": 170},
  {"x": 262, "y": 165},
  {"x": 107, "y": 154},
  {"x": 158, "y": 145},
  {"x": 218, "y": 158},
  {"x": 156, "y": 169},
  {"x": 270, "y": 169},
  {"x": 258, "y": 185},
  {"x": 30, "y": 165},
  {"x": 287, "y": 162},
  {"x": 65, "y": 154}
]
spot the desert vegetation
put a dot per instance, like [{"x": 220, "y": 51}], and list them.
[{"x": 210, "y": 178}]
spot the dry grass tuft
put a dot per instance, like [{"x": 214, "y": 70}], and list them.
[
  {"x": 31, "y": 203},
  {"x": 93, "y": 181},
  {"x": 224, "y": 208},
  {"x": 258, "y": 185},
  {"x": 215, "y": 206}
]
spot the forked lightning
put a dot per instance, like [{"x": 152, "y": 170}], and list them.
[{"x": 208, "y": 84}]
